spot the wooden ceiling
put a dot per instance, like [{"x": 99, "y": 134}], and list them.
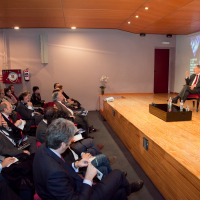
[{"x": 162, "y": 17}]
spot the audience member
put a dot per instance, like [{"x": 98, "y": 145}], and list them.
[
  {"x": 78, "y": 119},
  {"x": 9, "y": 97},
  {"x": 5, "y": 191},
  {"x": 2, "y": 95},
  {"x": 60, "y": 180},
  {"x": 26, "y": 110},
  {"x": 11, "y": 87},
  {"x": 36, "y": 97},
  {"x": 192, "y": 85}
]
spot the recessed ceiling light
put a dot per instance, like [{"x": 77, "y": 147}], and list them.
[
  {"x": 136, "y": 16},
  {"x": 16, "y": 27},
  {"x": 146, "y": 8},
  {"x": 129, "y": 22},
  {"x": 73, "y": 27}
]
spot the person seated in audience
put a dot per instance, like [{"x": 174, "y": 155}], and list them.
[
  {"x": 26, "y": 110},
  {"x": 2, "y": 95},
  {"x": 18, "y": 175},
  {"x": 85, "y": 145},
  {"x": 5, "y": 191},
  {"x": 9, "y": 141},
  {"x": 36, "y": 97},
  {"x": 78, "y": 119},
  {"x": 9, "y": 97},
  {"x": 72, "y": 103},
  {"x": 11, "y": 87},
  {"x": 59, "y": 180}
]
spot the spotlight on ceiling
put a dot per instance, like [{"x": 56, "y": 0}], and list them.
[
  {"x": 142, "y": 34},
  {"x": 169, "y": 35}
]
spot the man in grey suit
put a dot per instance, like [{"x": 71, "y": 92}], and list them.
[
  {"x": 192, "y": 85},
  {"x": 78, "y": 119}
]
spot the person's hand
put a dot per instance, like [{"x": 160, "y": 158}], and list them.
[
  {"x": 192, "y": 86},
  {"x": 82, "y": 163},
  {"x": 24, "y": 122},
  {"x": 186, "y": 74},
  {"x": 27, "y": 152},
  {"x": 18, "y": 122},
  {"x": 4, "y": 123},
  {"x": 29, "y": 104},
  {"x": 73, "y": 116},
  {"x": 7, "y": 161},
  {"x": 37, "y": 113},
  {"x": 86, "y": 155},
  {"x": 90, "y": 172}
]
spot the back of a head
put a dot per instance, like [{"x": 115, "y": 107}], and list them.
[
  {"x": 55, "y": 85},
  {"x": 55, "y": 114},
  {"x": 35, "y": 88},
  {"x": 60, "y": 130}
]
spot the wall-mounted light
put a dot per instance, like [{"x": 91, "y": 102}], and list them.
[
  {"x": 16, "y": 27},
  {"x": 73, "y": 27},
  {"x": 169, "y": 35},
  {"x": 142, "y": 34}
]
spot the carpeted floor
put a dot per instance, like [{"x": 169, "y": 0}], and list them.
[{"x": 125, "y": 161}]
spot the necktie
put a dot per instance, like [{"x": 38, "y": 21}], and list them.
[
  {"x": 196, "y": 79},
  {"x": 10, "y": 120}
]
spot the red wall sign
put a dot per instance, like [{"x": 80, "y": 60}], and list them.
[{"x": 12, "y": 76}]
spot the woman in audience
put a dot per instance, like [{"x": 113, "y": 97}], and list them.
[{"x": 9, "y": 97}]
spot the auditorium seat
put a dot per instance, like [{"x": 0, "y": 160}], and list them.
[{"x": 192, "y": 97}]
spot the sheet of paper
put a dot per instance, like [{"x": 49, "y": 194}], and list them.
[
  {"x": 78, "y": 137},
  {"x": 13, "y": 162}
]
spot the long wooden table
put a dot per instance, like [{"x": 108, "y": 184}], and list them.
[{"x": 172, "y": 160}]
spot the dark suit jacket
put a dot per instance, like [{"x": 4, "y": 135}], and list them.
[
  {"x": 191, "y": 79},
  {"x": 7, "y": 148},
  {"x": 40, "y": 132},
  {"x": 54, "y": 179},
  {"x": 26, "y": 114},
  {"x": 15, "y": 134}
]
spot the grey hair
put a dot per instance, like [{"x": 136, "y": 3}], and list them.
[
  {"x": 60, "y": 130},
  {"x": 198, "y": 66},
  {"x": 2, "y": 106},
  {"x": 55, "y": 96}
]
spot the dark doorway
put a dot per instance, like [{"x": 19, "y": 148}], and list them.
[{"x": 161, "y": 70}]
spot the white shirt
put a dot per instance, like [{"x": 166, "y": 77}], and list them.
[{"x": 71, "y": 111}]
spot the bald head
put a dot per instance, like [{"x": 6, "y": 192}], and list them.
[{"x": 6, "y": 108}]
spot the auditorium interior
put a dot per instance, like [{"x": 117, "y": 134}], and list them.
[{"x": 119, "y": 59}]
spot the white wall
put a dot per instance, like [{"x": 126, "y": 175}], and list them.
[
  {"x": 183, "y": 56},
  {"x": 78, "y": 58}
]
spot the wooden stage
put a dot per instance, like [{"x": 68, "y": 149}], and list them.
[{"x": 172, "y": 161}]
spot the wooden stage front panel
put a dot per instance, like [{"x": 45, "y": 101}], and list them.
[{"x": 172, "y": 160}]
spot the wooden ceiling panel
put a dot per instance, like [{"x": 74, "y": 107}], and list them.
[
  {"x": 4, "y": 4},
  {"x": 103, "y": 4},
  {"x": 188, "y": 28},
  {"x": 35, "y": 21},
  {"x": 3, "y": 25},
  {"x": 31, "y": 13},
  {"x": 175, "y": 4},
  {"x": 100, "y": 16},
  {"x": 162, "y": 17}
]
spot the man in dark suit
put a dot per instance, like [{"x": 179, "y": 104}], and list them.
[
  {"x": 26, "y": 110},
  {"x": 78, "y": 119},
  {"x": 192, "y": 85},
  {"x": 54, "y": 179}
]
